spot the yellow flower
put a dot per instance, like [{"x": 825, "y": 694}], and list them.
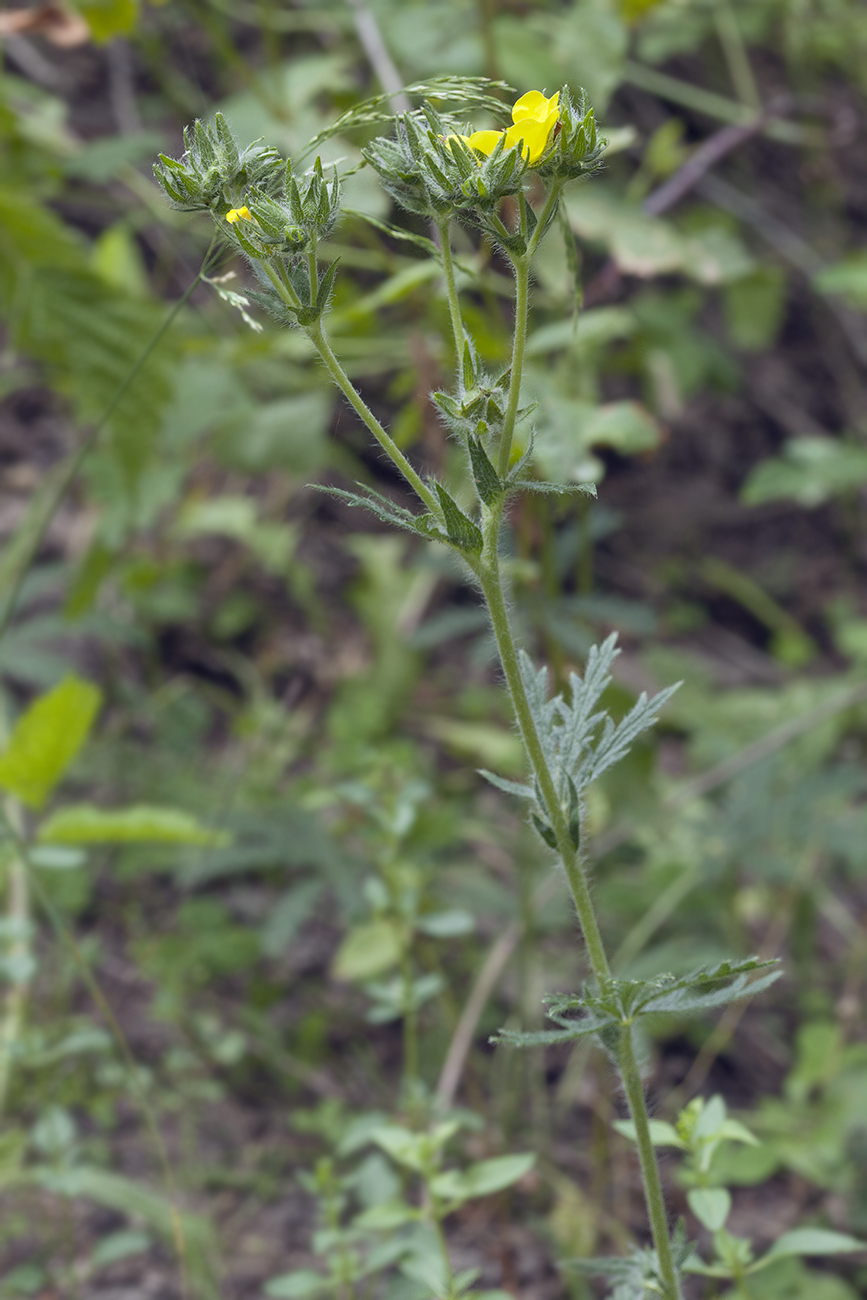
[
  {"x": 534, "y": 117},
  {"x": 235, "y": 214}
]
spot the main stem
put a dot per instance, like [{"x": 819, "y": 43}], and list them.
[{"x": 492, "y": 587}]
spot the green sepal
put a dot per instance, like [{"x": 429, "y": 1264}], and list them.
[
  {"x": 487, "y": 479},
  {"x": 422, "y": 525},
  {"x": 462, "y": 532}
]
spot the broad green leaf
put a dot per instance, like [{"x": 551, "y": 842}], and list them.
[
  {"x": 140, "y": 824},
  {"x": 293, "y": 1286},
  {"x": 384, "y": 1218},
  {"x": 446, "y": 925},
  {"x": 810, "y": 471},
  {"x": 735, "y": 1131},
  {"x": 404, "y": 1147},
  {"x": 810, "y": 1241},
  {"x": 481, "y": 1179},
  {"x": 368, "y": 950},
  {"x": 662, "y": 1134},
  {"x": 710, "y": 1205},
  {"x": 46, "y": 740}
]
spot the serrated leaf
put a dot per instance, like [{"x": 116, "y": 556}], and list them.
[
  {"x": 140, "y": 824},
  {"x": 46, "y": 740}
]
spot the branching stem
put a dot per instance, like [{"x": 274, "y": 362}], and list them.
[
  {"x": 452, "y": 294},
  {"x": 317, "y": 336}
]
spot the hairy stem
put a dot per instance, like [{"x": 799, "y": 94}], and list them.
[
  {"x": 522, "y": 302},
  {"x": 452, "y": 294},
  {"x": 632, "y": 1086},
  {"x": 317, "y": 336},
  {"x": 492, "y": 587}
]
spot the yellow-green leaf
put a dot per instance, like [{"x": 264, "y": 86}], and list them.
[
  {"x": 142, "y": 824},
  {"x": 367, "y": 951},
  {"x": 46, "y": 739}
]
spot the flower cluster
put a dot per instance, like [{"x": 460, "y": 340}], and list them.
[
  {"x": 269, "y": 210},
  {"x": 429, "y": 168},
  {"x": 214, "y": 174}
]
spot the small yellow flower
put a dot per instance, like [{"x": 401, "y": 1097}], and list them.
[
  {"x": 235, "y": 214},
  {"x": 534, "y": 117}
]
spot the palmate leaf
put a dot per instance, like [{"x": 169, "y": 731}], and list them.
[
  {"x": 621, "y": 1002},
  {"x": 700, "y": 991}
]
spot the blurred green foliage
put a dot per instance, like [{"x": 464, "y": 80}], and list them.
[{"x": 271, "y": 855}]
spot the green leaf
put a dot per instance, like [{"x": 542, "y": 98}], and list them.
[
  {"x": 508, "y": 787},
  {"x": 487, "y": 479},
  {"x": 481, "y": 1179},
  {"x": 398, "y": 516},
  {"x": 710, "y": 1205},
  {"x": 386, "y": 1217},
  {"x": 297, "y": 1285},
  {"x": 446, "y": 925},
  {"x": 109, "y": 18},
  {"x": 735, "y": 1131},
  {"x": 810, "y": 471},
  {"x": 553, "y": 489},
  {"x": 368, "y": 950},
  {"x": 139, "y": 824},
  {"x": 463, "y": 533},
  {"x": 46, "y": 740},
  {"x": 809, "y": 1241},
  {"x": 662, "y": 1134}
]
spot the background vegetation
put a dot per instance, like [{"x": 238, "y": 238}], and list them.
[{"x": 206, "y": 999}]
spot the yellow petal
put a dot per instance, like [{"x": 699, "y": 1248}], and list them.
[
  {"x": 536, "y": 107},
  {"x": 486, "y": 141},
  {"x": 533, "y": 137},
  {"x": 235, "y": 214}
]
